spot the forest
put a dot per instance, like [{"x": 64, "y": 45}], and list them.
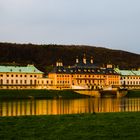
[{"x": 43, "y": 56}]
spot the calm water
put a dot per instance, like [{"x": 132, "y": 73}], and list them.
[{"x": 73, "y": 106}]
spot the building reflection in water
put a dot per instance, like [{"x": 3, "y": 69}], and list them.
[{"x": 75, "y": 106}]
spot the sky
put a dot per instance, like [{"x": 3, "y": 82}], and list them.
[{"x": 112, "y": 24}]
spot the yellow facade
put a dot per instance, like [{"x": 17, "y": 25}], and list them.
[{"x": 88, "y": 81}]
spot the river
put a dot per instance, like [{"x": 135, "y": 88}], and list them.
[{"x": 71, "y": 106}]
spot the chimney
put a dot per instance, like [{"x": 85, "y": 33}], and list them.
[
  {"x": 77, "y": 60},
  {"x": 91, "y": 60},
  {"x": 61, "y": 63},
  {"x": 57, "y": 64},
  {"x": 84, "y": 59},
  {"x": 109, "y": 66}
]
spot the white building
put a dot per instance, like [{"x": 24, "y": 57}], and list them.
[{"x": 129, "y": 78}]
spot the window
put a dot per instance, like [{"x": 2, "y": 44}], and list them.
[
  {"x": 85, "y": 70},
  {"x": 35, "y": 76},
  {"x": 7, "y": 75},
  {"x": 12, "y": 81},
  {"x": 16, "y": 81},
  {"x": 30, "y": 75},
  {"x": 25, "y": 81},
  {"x": 35, "y": 82},
  {"x": 7, "y": 81},
  {"x": 25, "y": 75},
  {"x": 1, "y": 81},
  {"x": 20, "y": 81},
  {"x": 20, "y": 75},
  {"x": 16, "y": 75},
  {"x": 12, "y": 75},
  {"x": 31, "y": 82}
]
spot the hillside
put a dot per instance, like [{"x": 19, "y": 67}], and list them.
[{"x": 46, "y": 55}]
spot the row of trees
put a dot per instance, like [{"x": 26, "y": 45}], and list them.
[{"x": 47, "y": 55}]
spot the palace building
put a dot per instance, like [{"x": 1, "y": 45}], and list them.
[{"x": 84, "y": 75}]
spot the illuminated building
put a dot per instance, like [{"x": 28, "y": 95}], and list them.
[{"x": 84, "y": 75}]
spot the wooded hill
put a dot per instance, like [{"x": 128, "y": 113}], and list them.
[{"x": 43, "y": 56}]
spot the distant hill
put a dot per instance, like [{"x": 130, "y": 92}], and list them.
[{"x": 47, "y": 55}]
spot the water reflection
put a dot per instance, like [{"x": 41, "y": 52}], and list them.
[{"x": 75, "y": 106}]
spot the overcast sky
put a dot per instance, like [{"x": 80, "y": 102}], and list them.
[{"x": 108, "y": 23}]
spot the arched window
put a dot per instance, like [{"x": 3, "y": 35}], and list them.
[{"x": 31, "y": 82}]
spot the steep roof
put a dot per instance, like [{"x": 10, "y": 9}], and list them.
[
  {"x": 83, "y": 70},
  {"x": 20, "y": 69}
]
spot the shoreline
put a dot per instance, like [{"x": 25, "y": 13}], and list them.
[
  {"x": 39, "y": 94},
  {"x": 51, "y": 94}
]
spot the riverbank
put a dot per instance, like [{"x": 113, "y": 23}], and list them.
[
  {"x": 39, "y": 94},
  {"x": 50, "y": 94},
  {"x": 98, "y": 126},
  {"x": 133, "y": 93}
]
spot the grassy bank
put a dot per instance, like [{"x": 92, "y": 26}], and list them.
[
  {"x": 38, "y": 94},
  {"x": 133, "y": 93},
  {"x": 106, "y": 126}
]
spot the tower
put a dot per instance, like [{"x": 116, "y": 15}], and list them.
[{"x": 84, "y": 59}]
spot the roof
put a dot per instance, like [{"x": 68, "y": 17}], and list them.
[
  {"x": 128, "y": 72},
  {"x": 83, "y": 70},
  {"x": 20, "y": 69},
  {"x": 87, "y": 65},
  {"x": 137, "y": 72}
]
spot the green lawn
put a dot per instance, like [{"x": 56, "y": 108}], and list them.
[
  {"x": 102, "y": 126},
  {"x": 133, "y": 93},
  {"x": 38, "y": 94}
]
